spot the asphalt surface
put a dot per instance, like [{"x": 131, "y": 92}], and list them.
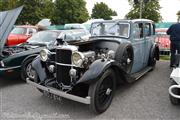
[{"x": 147, "y": 98}]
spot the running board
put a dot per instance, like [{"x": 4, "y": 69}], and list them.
[
  {"x": 141, "y": 73},
  {"x": 60, "y": 93}
]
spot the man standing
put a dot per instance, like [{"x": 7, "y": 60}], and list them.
[{"x": 174, "y": 32}]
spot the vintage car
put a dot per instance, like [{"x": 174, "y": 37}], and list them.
[
  {"x": 89, "y": 71},
  {"x": 174, "y": 89},
  {"x": 20, "y": 34},
  {"x": 163, "y": 40}
]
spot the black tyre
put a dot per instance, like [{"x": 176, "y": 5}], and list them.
[
  {"x": 152, "y": 60},
  {"x": 102, "y": 92},
  {"x": 26, "y": 69},
  {"x": 174, "y": 100},
  {"x": 125, "y": 56}
]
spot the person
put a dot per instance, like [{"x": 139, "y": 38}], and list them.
[{"x": 174, "y": 32}]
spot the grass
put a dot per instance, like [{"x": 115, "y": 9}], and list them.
[{"x": 164, "y": 57}]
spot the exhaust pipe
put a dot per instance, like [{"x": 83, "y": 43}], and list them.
[{"x": 171, "y": 89}]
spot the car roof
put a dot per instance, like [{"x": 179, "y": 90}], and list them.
[
  {"x": 124, "y": 20},
  {"x": 27, "y": 26}
]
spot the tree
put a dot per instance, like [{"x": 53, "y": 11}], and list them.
[
  {"x": 35, "y": 10},
  {"x": 101, "y": 10},
  {"x": 151, "y": 10},
  {"x": 8, "y": 4},
  {"x": 70, "y": 11},
  {"x": 178, "y": 15}
]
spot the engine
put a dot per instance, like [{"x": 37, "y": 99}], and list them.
[{"x": 70, "y": 64}]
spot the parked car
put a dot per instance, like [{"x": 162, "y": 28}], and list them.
[
  {"x": 174, "y": 89},
  {"x": 163, "y": 40},
  {"x": 89, "y": 71},
  {"x": 20, "y": 34}
]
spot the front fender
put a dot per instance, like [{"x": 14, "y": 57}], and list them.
[
  {"x": 39, "y": 68},
  {"x": 95, "y": 71}
]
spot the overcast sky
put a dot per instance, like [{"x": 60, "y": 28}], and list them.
[{"x": 168, "y": 10}]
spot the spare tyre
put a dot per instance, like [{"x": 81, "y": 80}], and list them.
[{"x": 125, "y": 56}]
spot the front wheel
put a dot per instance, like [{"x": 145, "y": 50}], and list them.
[
  {"x": 102, "y": 92},
  {"x": 26, "y": 69}
]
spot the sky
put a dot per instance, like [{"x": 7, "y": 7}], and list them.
[{"x": 168, "y": 10}]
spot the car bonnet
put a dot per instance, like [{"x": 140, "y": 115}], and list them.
[{"x": 7, "y": 21}]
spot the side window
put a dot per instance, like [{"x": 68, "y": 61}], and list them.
[
  {"x": 147, "y": 29},
  {"x": 138, "y": 30}
]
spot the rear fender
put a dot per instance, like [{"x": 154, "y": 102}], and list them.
[
  {"x": 95, "y": 71},
  {"x": 40, "y": 69},
  {"x": 155, "y": 48}
]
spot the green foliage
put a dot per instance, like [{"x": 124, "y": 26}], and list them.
[
  {"x": 59, "y": 11},
  {"x": 8, "y": 4},
  {"x": 70, "y": 11},
  {"x": 101, "y": 10},
  {"x": 178, "y": 16},
  {"x": 151, "y": 11},
  {"x": 35, "y": 10}
]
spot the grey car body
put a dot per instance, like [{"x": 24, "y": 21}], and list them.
[{"x": 89, "y": 71}]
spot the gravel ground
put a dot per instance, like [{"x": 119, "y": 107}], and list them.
[{"x": 147, "y": 98}]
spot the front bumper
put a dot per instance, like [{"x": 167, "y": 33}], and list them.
[{"x": 60, "y": 93}]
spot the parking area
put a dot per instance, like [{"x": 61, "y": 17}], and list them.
[{"x": 146, "y": 98}]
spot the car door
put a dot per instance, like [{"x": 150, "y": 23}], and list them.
[
  {"x": 138, "y": 46},
  {"x": 149, "y": 38}
]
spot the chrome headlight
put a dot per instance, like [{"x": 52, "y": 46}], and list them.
[
  {"x": 44, "y": 54},
  {"x": 77, "y": 58}
]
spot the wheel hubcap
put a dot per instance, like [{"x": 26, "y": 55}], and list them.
[
  {"x": 30, "y": 72},
  {"x": 108, "y": 91},
  {"x": 105, "y": 91}
]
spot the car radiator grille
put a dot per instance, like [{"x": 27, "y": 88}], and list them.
[{"x": 62, "y": 72}]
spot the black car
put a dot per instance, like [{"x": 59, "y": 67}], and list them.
[{"x": 89, "y": 71}]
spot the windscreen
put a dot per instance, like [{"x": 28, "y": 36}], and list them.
[
  {"x": 43, "y": 37},
  {"x": 19, "y": 30},
  {"x": 110, "y": 29}
]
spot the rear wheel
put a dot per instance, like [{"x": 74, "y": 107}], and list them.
[
  {"x": 174, "y": 100},
  {"x": 152, "y": 60},
  {"x": 102, "y": 92}
]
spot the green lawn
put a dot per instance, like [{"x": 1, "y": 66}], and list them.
[{"x": 164, "y": 57}]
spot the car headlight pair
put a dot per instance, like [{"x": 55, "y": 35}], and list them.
[
  {"x": 78, "y": 58},
  {"x": 44, "y": 54}
]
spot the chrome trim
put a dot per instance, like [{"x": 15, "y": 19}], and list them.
[
  {"x": 60, "y": 93},
  {"x": 9, "y": 68},
  {"x": 69, "y": 65},
  {"x": 171, "y": 93}
]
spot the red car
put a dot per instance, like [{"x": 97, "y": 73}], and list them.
[
  {"x": 20, "y": 34},
  {"x": 163, "y": 39}
]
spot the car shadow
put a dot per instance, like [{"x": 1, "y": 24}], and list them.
[{"x": 4, "y": 82}]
